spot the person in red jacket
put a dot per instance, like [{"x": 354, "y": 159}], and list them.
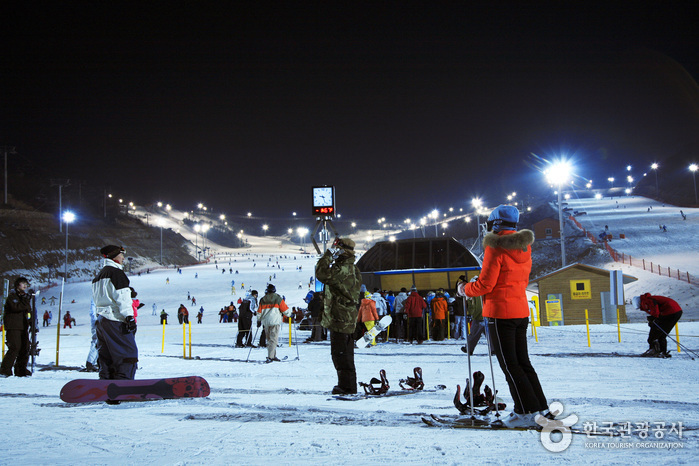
[
  {"x": 663, "y": 314},
  {"x": 414, "y": 307},
  {"x": 502, "y": 282}
]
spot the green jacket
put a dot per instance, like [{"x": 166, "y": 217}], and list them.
[
  {"x": 342, "y": 282},
  {"x": 475, "y": 308}
]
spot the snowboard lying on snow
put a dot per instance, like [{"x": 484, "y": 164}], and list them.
[{"x": 89, "y": 390}]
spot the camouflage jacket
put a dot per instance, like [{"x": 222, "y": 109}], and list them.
[{"x": 342, "y": 282}]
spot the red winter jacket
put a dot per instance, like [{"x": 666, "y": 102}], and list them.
[
  {"x": 659, "y": 305},
  {"x": 414, "y": 305},
  {"x": 504, "y": 276}
]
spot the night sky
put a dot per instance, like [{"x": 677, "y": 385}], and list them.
[{"x": 403, "y": 106}]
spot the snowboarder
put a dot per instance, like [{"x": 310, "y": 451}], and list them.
[
  {"x": 342, "y": 279},
  {"x": 200, "y": 314},
  {"x": 115, "y": 325},
  {"x": 502, "y": 282},
  {"x": 367, "y": 314},
  {"x": 663, "y": 314},
  {"x": 16, "y": 323}
]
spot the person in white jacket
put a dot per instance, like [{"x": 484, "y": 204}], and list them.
[{"x": 115, "y": 324}]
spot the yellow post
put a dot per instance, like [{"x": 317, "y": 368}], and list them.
[
  {"x": 427, "y": 324},
  {"x": 677, "y": 334},
  {"x": 58, "y": 324},
  {"x": 3, "y": 341},
  {"x": 618, "y": 323},
  {"x": 184, "y": 341},
  {"x": 289, "y": 332},
  {"x": 189, "y": 326},
  {"x": 448, "y": 327},
  {"x": 587, "y": 324},
  {"x": 536, "y": 338},
  {"x": 162, "y": 350}
]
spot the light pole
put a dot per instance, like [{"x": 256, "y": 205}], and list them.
[
  {"x": 68, "y": 217},
  {"x": 197, "y": 227},
  {"x": 160, "y": 223},
  {"x": 693, "y": 168},
  {"x": 611, "y": 181},
  {"x": 265, "y": 227},
  {"x": 435, "y": 215},
  {"x": 654, "y": 167},
  {"x": 558, "y": 174}
]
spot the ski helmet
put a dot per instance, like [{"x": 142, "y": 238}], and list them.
[
  {"x": 271, "y": 289},
  {"x": 503, "y": 217}
]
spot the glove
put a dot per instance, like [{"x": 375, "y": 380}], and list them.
[
  {"x": 129, "y": 325},
  {"x": 474, "y": 279},
  {"x": 335, "y": 252},
  {"x": 650, "y": 319},
  {"x": 141, "y": 305}
]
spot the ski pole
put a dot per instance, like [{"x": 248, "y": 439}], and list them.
[
  {"x": 470, "y": 376},
  {"x": 253, "y": 342},
  {"x": 490, "y": 359},
  {"x": 676, "y": 341}
]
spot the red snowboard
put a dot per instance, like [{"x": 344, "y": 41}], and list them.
[{"x": 88, "y": 390}]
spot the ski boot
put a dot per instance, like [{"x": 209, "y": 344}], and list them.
[
  {"x": 376, "y": 386},
  {"x": 413, "y": 383}
]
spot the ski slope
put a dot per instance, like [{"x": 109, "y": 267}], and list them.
[{"x": 282, "y": 412}]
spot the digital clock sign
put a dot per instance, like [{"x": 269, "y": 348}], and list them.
[{"x": 324, "y": 201}]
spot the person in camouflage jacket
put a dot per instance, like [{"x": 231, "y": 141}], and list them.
[{"x": 336, "y": 269}]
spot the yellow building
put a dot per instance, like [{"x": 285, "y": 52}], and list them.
[{"x": 566, "y": 293}]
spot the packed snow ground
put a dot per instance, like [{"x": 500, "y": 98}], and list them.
[{"x": 282, "y": 412}]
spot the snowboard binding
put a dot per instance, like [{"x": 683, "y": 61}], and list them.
[
  {"x": 376, "y": 386},
  {"x": 485, "y": 401},
  {"x": 413, "y": 383}
]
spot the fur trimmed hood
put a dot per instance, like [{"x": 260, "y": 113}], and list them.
[{"x": 518, "y": 240}]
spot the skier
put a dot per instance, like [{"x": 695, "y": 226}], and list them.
[
  {"x": 180, "y": 313},
  {"x": 154, "y": 313},
  {"x": 67, "y": 320},
  {"x": 342, "y": 279},
  {"x": 270, "y": 312},
  {"x": 663, "y": 314},
  {"x": 246, "y": 310},
  {"x": 502, "y": 282},
  {"x": 16, "y": 323},
  {"x": 163, "y": 317},
  {"x": 115, "y": 325},
  {"x": 200, "y": 314},
  {"x": 46, "y": 319},
  {"x": 315, "y": 306}
]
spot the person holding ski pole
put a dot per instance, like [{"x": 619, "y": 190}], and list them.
[
  {"x": 337, "y": 271},
  {"x": 502, "y": 283},
  {"x": 663, "y": 314}
]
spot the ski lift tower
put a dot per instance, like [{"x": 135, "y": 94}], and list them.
[{"x": 324, "y": 211}]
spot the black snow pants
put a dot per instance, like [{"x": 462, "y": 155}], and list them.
[{"x": 508, "y": 340}]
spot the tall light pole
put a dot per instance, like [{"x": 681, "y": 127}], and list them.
[
  {"x": 558, "y": 173},
  {"x": 68, "y": 217},
  {"x": 197, "y": 227},
  {"x": 693, "y": 168},
  {"x": 160, "y": 223},
  {"x": 654, "y": 167},
  {"x": 435, "y": 215}
]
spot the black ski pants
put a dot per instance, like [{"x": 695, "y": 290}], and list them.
[
  {"x": 666, "y": 323},
  {"x": 415, "y": 325},
  {"x": 244, "y": 326},
  {"x": 508, "y": 340},
  {"x": 342, "y": 352},
  {"x": 17, "y": 352}
]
